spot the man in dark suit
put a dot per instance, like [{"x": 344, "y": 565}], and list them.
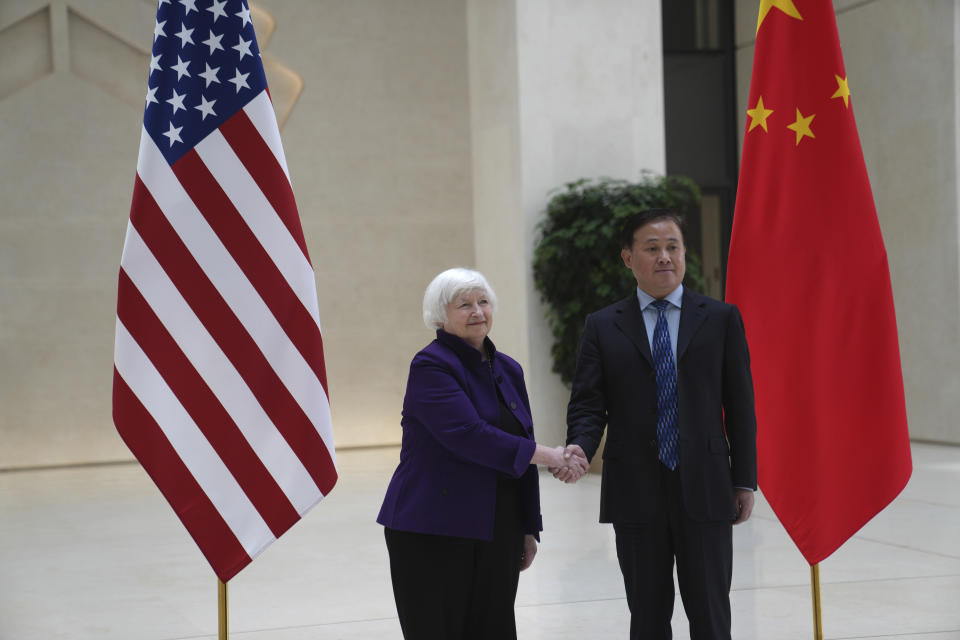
[{"x": 667, "y": 371}]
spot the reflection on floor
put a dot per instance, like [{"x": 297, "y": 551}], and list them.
[{"x": 96, "y": 552}]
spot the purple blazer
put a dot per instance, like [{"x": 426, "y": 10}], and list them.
[{"x": 452, "y": 450}]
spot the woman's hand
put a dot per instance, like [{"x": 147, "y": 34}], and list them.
[
  {"x": 548, "y": 457},
  {"x": 529, "y": 551}
]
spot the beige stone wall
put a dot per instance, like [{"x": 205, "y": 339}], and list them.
[
  {"x": 68, "y": 149},
  {"x": 560, "y": 90},
  {"x": 374, "y": 98},
  {"x": 420, "y": 135},
  {"x": 379, "y": 152},
  {"x": 902, "y": 64}
]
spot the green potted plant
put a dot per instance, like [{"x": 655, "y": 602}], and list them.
[{"x": 576, "y": 264}]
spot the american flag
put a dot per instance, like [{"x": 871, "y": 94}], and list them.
[{"x": 219, "y": 386}]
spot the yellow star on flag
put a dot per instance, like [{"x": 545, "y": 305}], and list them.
[
  {"x": 843, "y": 90},
  {"x": 758, "y": 115},
  {"x": 786, "y": 6},
  {"x": 802, "y": 126}
]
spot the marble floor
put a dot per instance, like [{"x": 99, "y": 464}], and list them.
[{"x": 95, "y": 552}]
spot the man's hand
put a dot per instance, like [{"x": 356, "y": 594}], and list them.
[
  {"x": 576, "y": 465},
  {"x": 743, "y": 502}
]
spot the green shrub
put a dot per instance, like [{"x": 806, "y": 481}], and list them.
[{"x": 577, "y": 266}]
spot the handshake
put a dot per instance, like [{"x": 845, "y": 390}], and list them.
[{"x": 571, "y": 464}]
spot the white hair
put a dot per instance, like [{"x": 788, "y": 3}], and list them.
[{"x": 447, "y": 286}]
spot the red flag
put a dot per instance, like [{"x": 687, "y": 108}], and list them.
[
  {"x": 809, "y": 271},
  {"x": 219, "y": 383}
]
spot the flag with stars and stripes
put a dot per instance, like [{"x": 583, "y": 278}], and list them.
[
  {"x": 219, "y": 386},
  {"x": 808, "y": 270}
]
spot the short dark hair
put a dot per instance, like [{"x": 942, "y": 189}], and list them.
[{"x": 645, "y": 217}]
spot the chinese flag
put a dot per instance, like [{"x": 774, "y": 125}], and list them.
[{"x": 808, "y": 270}]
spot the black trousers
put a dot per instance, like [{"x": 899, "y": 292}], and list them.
[
  {"x": 449, "y": 588},
  {"x": 704, "y": 556}
]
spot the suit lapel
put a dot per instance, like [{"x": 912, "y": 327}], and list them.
[
  {"x": 692, "y": 315},
  {"x": 630, "y": 320}
]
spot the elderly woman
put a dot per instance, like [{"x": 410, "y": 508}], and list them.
[{"x": 462, "y": 512}]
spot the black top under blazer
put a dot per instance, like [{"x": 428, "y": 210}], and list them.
[{"x": 615, "y": 386}]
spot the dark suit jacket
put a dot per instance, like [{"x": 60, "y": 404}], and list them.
[
  {"x": 453, "y": 451},
  {"x": 615, "y": 386}
]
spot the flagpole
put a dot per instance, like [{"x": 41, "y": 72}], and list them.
[
  {"x": 815, "y": 586},
  {"x": 222, "y": 608}
]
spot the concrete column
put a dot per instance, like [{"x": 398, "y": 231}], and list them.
[{"x": 559, "y": 90}]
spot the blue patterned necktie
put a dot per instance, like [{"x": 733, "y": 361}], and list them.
[{"x": 667, "y": 430}]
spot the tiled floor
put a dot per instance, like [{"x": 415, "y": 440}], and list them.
[{"x": 95, "y": 552}]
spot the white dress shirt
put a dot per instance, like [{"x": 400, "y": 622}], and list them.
[{"x": 650, "y": 315}]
